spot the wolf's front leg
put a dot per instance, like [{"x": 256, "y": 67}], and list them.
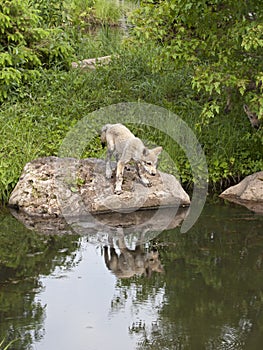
[
  {"x": 143, "y": 179},
  {"x": 119, "y": 177},
  {"x": 108, "y": 170}
]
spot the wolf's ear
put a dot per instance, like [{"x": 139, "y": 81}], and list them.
[
  {"x": 145, "y": 152},
  {"x": 157, "y": 150},
  {"x": 246, "y": 109}
]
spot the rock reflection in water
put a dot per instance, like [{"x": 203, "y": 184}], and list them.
[{"x": 144, "y": 224}]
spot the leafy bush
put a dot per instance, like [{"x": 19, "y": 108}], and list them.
[
  {"x": 25, "y": 46},
  {"x": 51, "y": 12},
  {"x": 222, "y": 41},
  {"x": 19, "y": 31}
]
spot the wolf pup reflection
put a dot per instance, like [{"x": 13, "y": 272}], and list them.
[
  {"x": 131, "y": 263},
  {"x": 125, "y": 147}
]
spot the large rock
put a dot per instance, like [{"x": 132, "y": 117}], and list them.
[
  {"x": 67, "y": 187},
  {"x": 249, "y": 192},
  {"x": 92, "y": 63}
]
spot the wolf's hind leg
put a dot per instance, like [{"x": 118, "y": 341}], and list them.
[
  {"x": 119, "y": 177},
  {"x": 108, "y": 165},
  {"x": 110, "y": 150}
]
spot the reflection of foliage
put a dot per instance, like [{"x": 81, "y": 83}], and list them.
[
  {"x": 213, "y": 284},
  {"x": 140, "y": 294},
  {"x": 138, "y": 289},
  {"x": 24, "y": 256}
]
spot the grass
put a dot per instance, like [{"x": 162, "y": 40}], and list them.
[
  {"x": 5, "y": 347},
  {"x": 107, "y": 11}
]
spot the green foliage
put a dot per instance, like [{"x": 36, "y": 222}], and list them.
[
  {"x": 51, "y": 12},
  {"x": 7, "y": 346},
  {"x": 107, "y": 11},
  {"x": 105, "y": 41},
  {"x": 46, "y": 34},
  {"x": 222, "y": 41},
  {"x": 25, "y": 46},
  {"x": 89, "y": 14},
  {"x": 19, "y": 31}
]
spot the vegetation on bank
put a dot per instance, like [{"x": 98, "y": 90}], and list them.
[
  {"x": 42, "y": 98},
  {"x": 5, "y": 347}
]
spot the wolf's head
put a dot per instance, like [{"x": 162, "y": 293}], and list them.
[
  {"x": 153, "y": 263},
  {"x": 253, "y": 118},
  {"x": 150, "y": 159}
]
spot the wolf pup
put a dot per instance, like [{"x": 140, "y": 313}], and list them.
[{"x": 126, "y": 147}]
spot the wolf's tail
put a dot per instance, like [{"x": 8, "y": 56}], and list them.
[{"x": 103, "y": 134}]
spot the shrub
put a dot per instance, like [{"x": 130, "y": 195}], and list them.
[{"x": 25, "y": 46}]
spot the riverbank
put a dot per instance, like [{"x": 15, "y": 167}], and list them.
[
  {"x": 36, "y": 116},
  {"x": 35, "y": 125}
]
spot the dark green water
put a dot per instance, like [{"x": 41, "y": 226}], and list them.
[{"x": 56, "y": 292}]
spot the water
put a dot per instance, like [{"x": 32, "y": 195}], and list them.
[{"x": 203, "y": 291}]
